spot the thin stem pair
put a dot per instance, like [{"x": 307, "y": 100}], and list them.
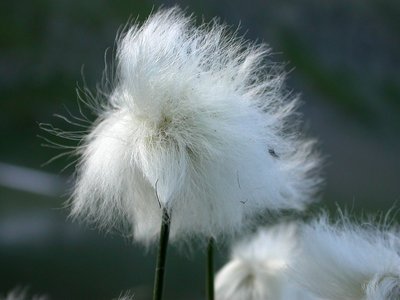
[{"x": 162, "y": 255}]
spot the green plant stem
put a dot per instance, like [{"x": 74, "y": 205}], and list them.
[
  {"x": 210, "y": 270},
  {"x": 162, "y": 255}
]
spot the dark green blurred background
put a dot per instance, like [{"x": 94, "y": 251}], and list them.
[{"x": 344, "y": 59}]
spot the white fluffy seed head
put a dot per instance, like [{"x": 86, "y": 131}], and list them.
[
  {"x": 257, "y": 269},
  {"x": 196, "y": 120},
  {"x": 127, "y": 295},
  {"x": 345, "y": 261},
  {"x": 19, "y": 293}
]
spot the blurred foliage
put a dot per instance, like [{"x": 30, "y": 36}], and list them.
[
  {"x": 44, "y": 45},
  {"x": 336, "y": 85}
]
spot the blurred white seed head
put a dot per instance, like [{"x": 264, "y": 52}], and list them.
[
  {"x": 19, "y": 293},
  {"x": 344, "y": 261},
  {"x": 257, "y": 269},
  {"x": 198, "y": 119},
  {"x": 127, "y": 295}
]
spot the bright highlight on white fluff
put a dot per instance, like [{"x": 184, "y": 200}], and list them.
[
  {"x": 345, "y": 261},
  {"x": 196, "y": 118},
  {"x": 257, "y": 270}
]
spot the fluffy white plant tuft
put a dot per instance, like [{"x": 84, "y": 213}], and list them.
[
  {"x": 198, "y": 121},
  {"x": 21, "y": 294},
  {"x": 257, "y": 269},
  {"x": 127, "y": 295},
  {"x": 344, "y": 261}
]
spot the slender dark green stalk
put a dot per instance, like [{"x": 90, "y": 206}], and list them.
[
  {"x": 162, "y": 255},
  {"x": 210, "y": 270}
]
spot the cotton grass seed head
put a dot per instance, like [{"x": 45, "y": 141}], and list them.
[
  {"x": 20, "y": 293},
  {"x": 257, "y": 269},
  {"x": 198, "y": 123},
  {"x": 346, "y": 261}
]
